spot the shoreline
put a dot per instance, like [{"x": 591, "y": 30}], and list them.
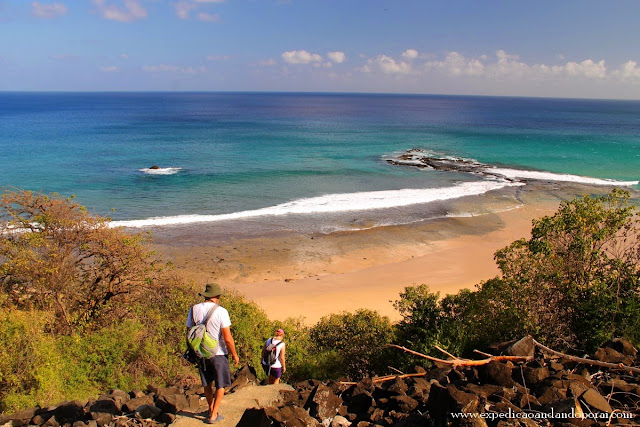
[{"x": 308, "y": 276}]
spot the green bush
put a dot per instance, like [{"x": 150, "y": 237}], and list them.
[{"x": 353, "y": 344}]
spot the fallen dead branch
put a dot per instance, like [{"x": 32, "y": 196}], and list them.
[
  {"x": 622, "y": 366},
  {"x": 466, "y": 362}
]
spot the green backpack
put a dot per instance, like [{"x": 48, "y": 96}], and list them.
[{"x": 203, "y": 345}]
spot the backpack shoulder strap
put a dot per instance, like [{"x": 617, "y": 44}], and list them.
[
  {"x": 281, "y": 342},
  {"x": 209, "y": 314}
]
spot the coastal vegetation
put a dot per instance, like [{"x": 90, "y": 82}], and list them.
[{"x": 86, "y": 307}]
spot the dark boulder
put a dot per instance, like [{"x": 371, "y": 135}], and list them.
[
  {"x": 323, "y": 403},
  {"x": 172, "y": 403},
  {"x": 446, "y": 400},
  {"x": 497, "y": 373},
  {"x": 523, "y": 347},
  {"x": 132, "y": 404},
  {"x": 244, "y": 377},
  {"x": 21, "y": 418}
]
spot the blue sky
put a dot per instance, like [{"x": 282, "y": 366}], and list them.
[{"x": 563, "y": 48}]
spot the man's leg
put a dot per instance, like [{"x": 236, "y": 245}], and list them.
[
  {"x": 213, "y": 409},
  {"x": 208, "y": 393}
]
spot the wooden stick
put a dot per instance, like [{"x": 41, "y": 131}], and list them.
[
  {"x": 387, "y": 378},
  {"x": 446, "y": 352},
  {"x": 466, "y": 362},
  {"x": 587, "y": 361}
]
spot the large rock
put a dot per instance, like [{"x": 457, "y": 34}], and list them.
[
  {"x": 323, "y": 403},
  {"x": 244, "y": 377},
  {"x": 595, "y": 401},
  {"x": 292, "y": 416},
  {"x": 255, "y": 417},
  {"x": 172, "y": 403},
  {"x": 20, "y": 418},
  {"x": 446, "y": 400},
  {"x": 497, "y": 373},
  {"x": 148, "y": 412},
  {"x": 105, "y": 405},
  {"x": 132, "y": 404},
  {"x": 69, "y": 412},
  {"x": 524, "y": 347},
  {"x": 623, "y": 346}
]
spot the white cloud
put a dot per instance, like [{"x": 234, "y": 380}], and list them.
[
  {"x": 628, "y": 71},
  {"x": 587, "y": 68},
  {"x": 48, "y": 11},
  {"x": 268, "y": 62},
  {"x": 110, "y": 69},
  {"x": 508, "y": 66},
  {"x": 457, "y": 65},
  {"x": 208, "y": 17},
  {"x": 183, "y": 8},
  {"x": 131, "y": 11},
  {"x": 410, "y": 54},
  {"x": 300, "y": 57},
  {"x": 387, "y": 65},
  {"x": 337, "y": 57},
  {"x": 124, "y": 56},
  {"x": 209, "y": 1},
  {"x": 166, "y": 68}
]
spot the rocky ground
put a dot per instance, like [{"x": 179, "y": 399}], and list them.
[{"x": 543, "y": 390}]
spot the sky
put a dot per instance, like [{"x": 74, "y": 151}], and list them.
[{"x": 547, "y": 48}]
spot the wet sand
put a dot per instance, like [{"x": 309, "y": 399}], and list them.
[{"x": 313, "y": 275}]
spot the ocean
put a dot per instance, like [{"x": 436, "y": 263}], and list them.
[{"x": 326, "y": 162}]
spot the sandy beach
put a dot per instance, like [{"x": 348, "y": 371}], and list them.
[{"x": 313, "y": 275}]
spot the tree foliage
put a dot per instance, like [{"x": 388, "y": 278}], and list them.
[
  {"x": 354, "y": 341},
  {"x": 574, "y": 284},
  {"x": 55, "y": 255}
]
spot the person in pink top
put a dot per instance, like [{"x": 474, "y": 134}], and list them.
[{"x": 276, "y": 347}]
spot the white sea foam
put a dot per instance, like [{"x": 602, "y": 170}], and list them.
[
  {"x": 335, "y": 203},
  {"x": 160, "y": 171},
  {"x": 550, "y": 176}
]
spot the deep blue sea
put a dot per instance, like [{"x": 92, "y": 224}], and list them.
[{"x": 222, "y": 156}]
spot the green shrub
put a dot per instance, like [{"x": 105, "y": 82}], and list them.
[{"x": 353, "y": 344}]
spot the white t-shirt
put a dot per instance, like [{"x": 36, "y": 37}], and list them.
[
  {"x": 220, "y": 319},
  {"x": 278, "y": 364}
]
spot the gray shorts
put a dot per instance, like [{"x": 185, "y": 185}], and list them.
[{"x": 216, "y": 370}]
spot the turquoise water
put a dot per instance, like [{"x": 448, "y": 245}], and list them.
[{"x": 295, "y": 154}]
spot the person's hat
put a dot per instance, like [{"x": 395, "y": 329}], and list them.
[
  {"x": 280, "y": 332},
  {"x": 212, "y": 290}
]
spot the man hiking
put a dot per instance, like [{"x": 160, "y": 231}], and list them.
[{"x": 214, "y": 370}]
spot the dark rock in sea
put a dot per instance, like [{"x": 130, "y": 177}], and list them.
[{"x": 155, "y": 167}]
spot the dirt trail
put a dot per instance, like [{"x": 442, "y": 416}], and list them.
[{"x": 233, "y": 406}]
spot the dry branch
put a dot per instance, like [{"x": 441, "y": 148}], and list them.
[
  {"x": 466, "y": 362},
  {"x": 622, "y": 366}
]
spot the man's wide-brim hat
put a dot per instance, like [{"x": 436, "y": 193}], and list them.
[{"x": 212, "y": 290}]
